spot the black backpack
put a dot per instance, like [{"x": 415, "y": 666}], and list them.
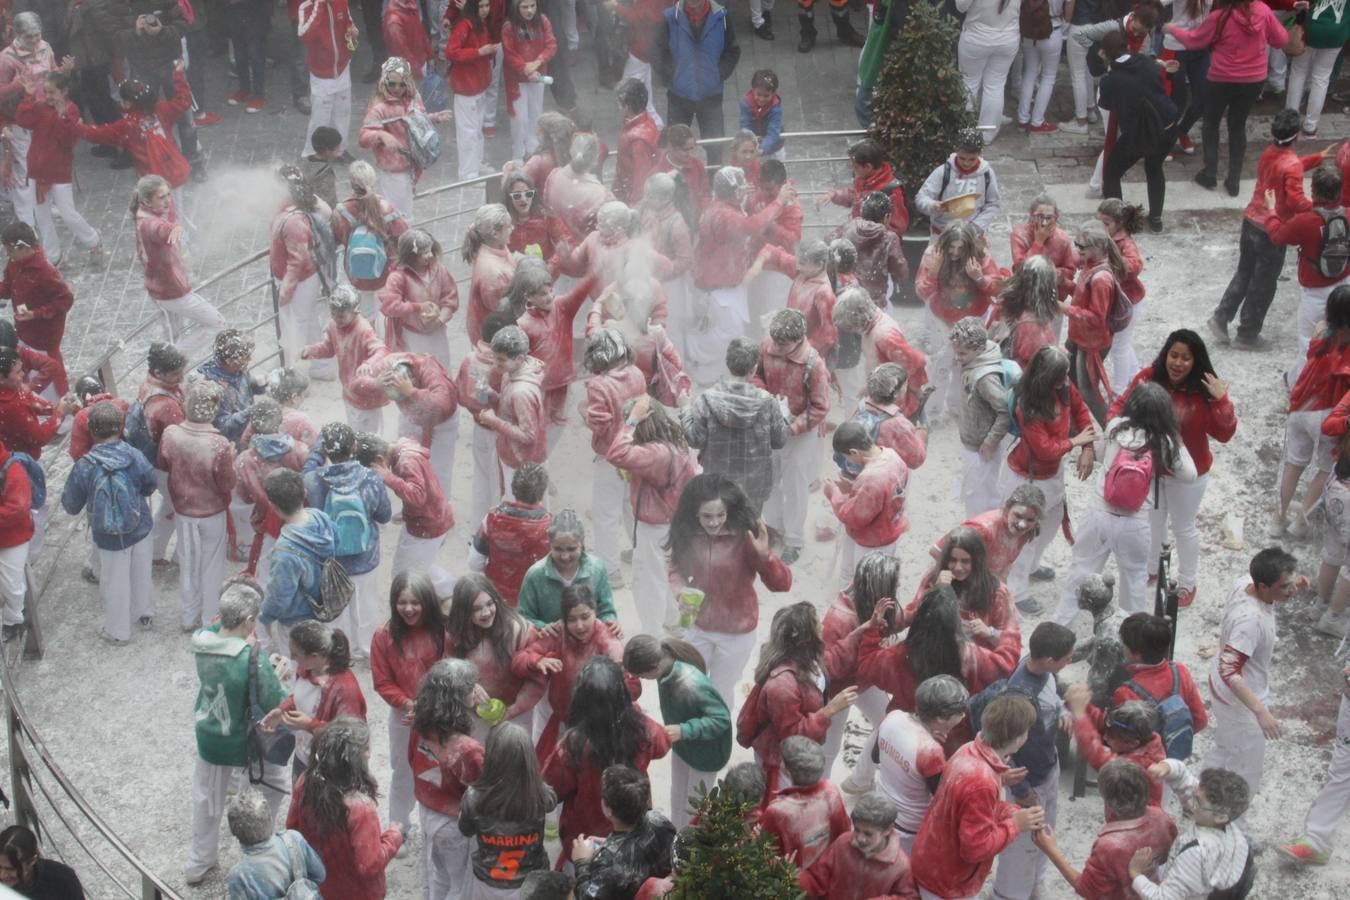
[{"x": 1334, "y": 256}]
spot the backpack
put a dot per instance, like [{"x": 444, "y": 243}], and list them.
[
  {"x": 136, "y": 428},
  {"x": 336, "y": 588},
  {"x": 1150, "y": 132},
  {"x": 977, "y": 704},
  {"x": 1178, "y": 728},
  {"x": 947, "y": 179},
  {"x": 348, "y": 512},
  {"x": 301, "y": 887},
  {"x": 870, "y": 419},
  {"x": 1012, "y": 376},
  {"x": 115, "y": 505},
  {"x": 1334, "y": 256},
  {"x": 1129, "y": 478},
  {"x": 424, "y": 141},
  {"x": 1034, "y": 20},
  {"x": 1121, "y": 311},
  {"x": 1242, "y": 888},
  {"x": 37, "y": 478},
  {"x": 366, "y": 258}
]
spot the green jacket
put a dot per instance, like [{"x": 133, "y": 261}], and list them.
[
  {"x": 221, "y": 713},
  {"x": 540, "y": 599},
  {"x": 688, "y": 699}
]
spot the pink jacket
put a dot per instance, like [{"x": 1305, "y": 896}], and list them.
[
  {"x": 807, "y": 390},
  {"x": 522, "y": 422},
  {"x": 397, "y": 673},
  {"x": 787, "y": 706},
  {"x": 842, "y": 873},
  {"x": 165, "y": 276},
  {"x": 724, "y": 567},
  {"x": 873, "y": 509},
  {"x": 806, "y": 820},
  {"x": 250, "y": 470},
  {"x": 403, "y": 295},
  {"x": 354, "y": 346},
  {"x": 200, "y": 464},
  {"x": 606, "y": 395},
  {"x": 478, "y": 380},
  {"x": 389, "y": 159},
  {"x": 492, "y": 271},
  {"x": 550, "y": 334},
  {"x": 1239, "y": 54},
  {"x": 882, "y": 342},
  {"x": 1059, "y": 250},
  {"x": 426, "y": 510},
  {"x": 291, "y": 256},
  {"x": 669, "y": 234},
  {"x": 657, "y": 473},
  {"x": 433, "y": 398}
]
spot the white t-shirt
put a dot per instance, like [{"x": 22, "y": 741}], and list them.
[
  {"x": 1249, "y": 627},
  {"x": 909, "y": 757}
]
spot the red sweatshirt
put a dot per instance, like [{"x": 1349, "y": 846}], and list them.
[
  {"x": 16, "y": 501},
  {"x": 80, "y": 439},
  {"x": 433, "y": 399},
  {"x": 1199, "y": 415},
  {"x": 967, "y": 826},
  {"x": 1324, "y": 379},
  {"x": 884, "y": 342},
  {"x": 1058, "y": 249},
  {"x": 842, "y": 873},
  {"x": 163, "y": 405},
  {"x": 478, "y": 382},
  {"x": 200, "y": 464},
  {"x": 325, "y": 40},
  {"x": 521, "y": 47},
  {"x": 546, "y": 231},
  {"x": 785, "y": 231},
  {"x": 606, "y": 395},
  {"x": 354, "y": 346},
  {"x": 724, "y": 233},
  {"x": 355, "y": 858},
  {"x": 637, "y": 157},
  {"x": 898, "y": 433},
  {"x": 35, "y": 284},
  {"x": 806, "y": 820},
  {"x": 724, "y": 567},
  {"x": 492, "y": 271},
  {"x": 1087, "y": 731},
  {"x": 51, "y": 156},
  {"x": 951, "y": 303},
  {"x": 550, "y": 334},
  {"x": 1134, "y": 264},
  {"x": 340, "y": 696},
  {"x": 1044, "y": 443},
  {"x": 426, "y": 510},
  {"x": 852, "y": 197},
  {"x": 813, "y": 297},
  {"x": 1303, "y": 230},
  {"x": 130, "y": 133},
  {"x": 403, "y": 295},
  {"x": 165, "y": 275},
  {"x": 1000, "y": 614},
  {"x": 657, "y": 473},
  {"x": 521, "y": 419},
  {"x": 1106, "y": 874},
  {"x": 1030, "y": 336},
  {"x": 872, "y": 510},
  {"x": 841, "y": 644},
  {"x": 806, "y": 389},
  {"x": 1281, "y": 170},
  {"x": 1156, "y": 678},
  {"x": 470, "y": 71},
  {"x": 695, "y": 176},
  {"x": 251, "y": 470},
  {"x": 19, "y": 426},
  {"x": 786, "y": 706},
  {"x": 397, "y": 671},
  {"x": 1093, "y": 294},
  {"x": 513, "y": 537},
  {"x": 41, "y": 369},
  {"x": 519, "y": 694},
  {"x": 405, "y": 35},
  {"x": 443, "y": 770}
]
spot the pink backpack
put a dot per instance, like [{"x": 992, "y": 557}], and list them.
[{"x": 1129, "y": 479}]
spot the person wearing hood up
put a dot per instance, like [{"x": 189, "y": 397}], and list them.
[
  {"x": 306, "y": 541},
  {"x": 985, "y": 413},
  {"x": 880, "y": 260},
  {"x": 112, "y": 482},
  {"x": 199, "y": 461},
  {"x": 405, "y": 469},
  {"x": 964, "y": 172},
  {"x": 40, "y": 296},
  {"x": 354, "y": 497},
  {"x": 1143, "y": 441},
  {"x": 269, "y": 448},
  {"x": 520, "y": 419}
]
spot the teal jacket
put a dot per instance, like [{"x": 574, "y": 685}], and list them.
[
  {"x": 688, "y": 699},
  {"x": 540, "y": 600},
  {"x": 220, "y": 712}
]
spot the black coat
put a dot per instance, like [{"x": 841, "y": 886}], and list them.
[
  {"x": 1125, "y": 90},
  {"x": 95, "y": 26}
]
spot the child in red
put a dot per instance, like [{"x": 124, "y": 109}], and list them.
[
  {"x": 419, "y": 299},
  {"x": 479, "y": 383},
  {"x": 638, "y": 136},
  {"x": 470, "y": 51},
  {"x": 405, "y": 468},
  {"x": 805, "y": 817},
  {"x": 871, "y": 172},
  {"x": 268, "y": 448},
  {"x": 547, "y": 321},
  {"x": 810, "y": 293},
  {"x": 406, "y": 36},
  {"x": 514, "y": 534},
  {"x": 1041, "y": 236},
  {"x": 40, "y": 296},
  {"x": 481, "y": 628},
  {"x": 527, "y": 46},
  {"x": 865, "y": 863},
  {"x": 880, "y": 260},
  {"x": 486, "y": 249},
  {"x": 1094, "y": 295},
  {"x": 1147, "y": 640},
  {"x": 880, "y": 408},
  {"x": 882, "y": 341},
  {"x": 520, "y": 419},
  {"x": 871, "y": 507},
  {"x": 681, "y": 157},
  {"x": 1121, "y": 732},
  {"x": 351, "y": 339},
  {"x": 325, "y": 686},
  {"x": 55, "y": 121},
  {"x": 535, "y": 231},
  {"x": 145, "y": 128}
]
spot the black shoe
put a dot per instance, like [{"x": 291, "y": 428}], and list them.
[
  {"x": 1206, "y": 180},
  {"x": 808, "y": 28},
  {"x": 790, "y": 555},
  {"x": 1043, "y": 573},
  {"x": 763, "y": 32},
  {"x": 104, "y": 151},
  {"x": 1155, "y": 224},
  {"x": 1255, "y": 343},
  {"x": 844, "y": 29},
  {"x": 1030, "y": 606},
  {"x": 1218, "y": 328},
  {"x": 1231, "y": 186}
]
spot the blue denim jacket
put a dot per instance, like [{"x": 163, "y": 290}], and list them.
[{"x": 265, "y": 871}]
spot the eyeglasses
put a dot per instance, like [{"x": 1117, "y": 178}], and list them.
[
  {"x": 521, "y": 195},
  {"x": 1080, "y": 245},
  {"x": 1044, "y": 218}
]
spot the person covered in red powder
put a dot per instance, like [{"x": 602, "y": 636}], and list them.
[
  {"x": 514, "y": 534},
  {"x": 483, "y": 629}
]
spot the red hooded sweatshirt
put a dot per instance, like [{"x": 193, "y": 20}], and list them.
[
  {"x": 637, "y": 157},
  {"x": 404, "y": 293},
  {"x": 521, "y": 47},
  {"x": 852, "y": 197},
  {"x": 426, "y": 511},
  {"x": 200, "y": 463},
  {"x": 1324, "y": 379},
  {"x": 872, "y": 510},
  {"x": 724, "y": 233},
  {"x": 130, "y": 133},
  {"x": 19, "y": 426},
  {"x": 1058, "y": 249},
  {"x": 1044, "y": 443},
  {"x": 51, "y": 156},
  {"x": 1106, "y": 874},
  {"x": 405, "y": 35},
  {"x": 1281, "y": 170},
  {"x": 354, "y": 345},
  {"x": 842, "y": 873},
  {"x": 806, "y": 820},
  {"x": 888, "y": 668},
  {"x": 800, "y": 377},
  {"x": 36, "y": 284},
  {"x": 1304, "y": 230},
  {"x": 470, "y": 71},
  {"x": 492, "y": 271},
  {"x": 323, "y": 30},
  {"x": 724, "y": 567},
  {"x": 884, "y": 342},
  {"x": 550, "y": 334},
  {"x": 606, "y": 395},
  {"x": 16, "y": 497},
  {"x": 355, "y": 857},
  {"x": 1087, "y": 732},
  {"x": 397, "y": 669},
  {"x": 1199, "y": 415},
  {"x": 513, "y": 537},
  {"x": 811, "y": 296},
  {"x": 521, "y": 419},
  {"x": 785, "y": 706},
  {"x": 657, "y": 473}
]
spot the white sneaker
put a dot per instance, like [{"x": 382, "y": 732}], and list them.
[
  {"x": 1073, "y": 126},
  {"x": 1298, "y": 526},
  {"x": 1277, "y": 525},
  {"x": 1334, "y": 626}
]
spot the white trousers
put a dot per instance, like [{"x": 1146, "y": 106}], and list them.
[
  {"x": 190, "y": 307},
  {"x": 443, "y": 440},
  {"x": 850, "y": 552},
  {"x": 678, "y": 321},
  {"x": 726, "y": 656},
  {"x": 163, "y": 529},
  {"x": 1022, "y": 864},
  {"x": 1311, "y": 70},
  {"x": 757, "y": 10},
  {"x": 943, "y": 370},
  {"x": 124, "y": 588},
  {"x": 1312, "y": 308},
  {"x": 872, "y": 704},
  {"x": 1329, "y": 807},
  {"x": 494, "y": 90},
  {"x": 242, "y": 513},
  {"x": 264, "y": 574},
  {"x": 1182, "y": 505},
  {"x": 330, "y": 101},
  {"x": 1239, "y": 744},
  {"x": 487, "y": 474},
  {"x": 370, "y": 421},
  {"x": 1121, "y": 360},
  {"x": 445, "y": 857},
  {"x": 13, "y": 583},
  {"x": 420, "y": 555},
  {"x": 212, "y": 786},
  {"x": 636, "y": 68},
  {"x": 401, "y": 800},
  {"x": 985, "y": 68},
  {"x": 851, "y": 382},
  {"x": 62, "y": 198},
  {"x": 469, "y": 114},
  {"x": 684, "y": 789},
  {"x": 524, "y": 113},
  {"x": 979, "y": 480},
  {"x": 364, "y": 614},
  {"x": 651, "y": 590},
  {"x": 1040, "y": 64},
  {"x": 1101, "y": 536},
  {"x": 609, "y": 496},
  {"x": 301, "y": 324},
  {"x": 24, "y": 194},
  {"x": 768, "y": 294},
  {"x": 436, "y": 345},
  {"x": 201, "y": 565},
  {"x": 1083, "y": 95},
  {"x": 397, "y": 188},
  {"x": 1019, "y": 577},
  {"x": 728, "y": 314},
  {"x": 799, "y": 465},
  {"x": 1277, "y": 68}
]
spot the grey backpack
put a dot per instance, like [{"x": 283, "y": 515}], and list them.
[{"x": 302, "y": 888}]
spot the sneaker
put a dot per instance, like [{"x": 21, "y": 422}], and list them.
[
  {"x": 1094, "y": 117},
  {"x": 1218, "y": 329},
  {"x": 1298, "y": 526},
  {"x": 489, "y": 131},
  {"x": 1185, "y": 597},
  {"x": 235, "y": 99},
  {"x": 1302, "y": 851},
  {"x": 1232, "y": 188},
  {"x": 89, "y": 575},
  {"x": 255, "y": 104},
  {"x": 790, "y": 555},
  {"x": 763, "y": 32},
  {"x": 1023, "y": 126},
  {"x": 195, "y": 878},
  {"x": 303, "y": 105},
  {"x": 1043, "y": 573},
  {"x": 1155, "y": 224},
  {"x": 1074, "y": 126},
  {"x": 192, "y": 629},
  {"x": 1093, "y": 192},
  {"x": 203, "y": 119},
  {"x": 109, "y": 639},
  {"x": 146, "y": 622},
  {"x": 1333, "y": 626},
  {"x": 626, "y": 557},
  {"x": 1030, "y": 606},
  {"x": 164, "y": 564},
  {"x": 96, "y": 251},
  {"x": 1277, "y": 525},
  {"x": 1205, "y": 180},
  {"x": 1255, "y": 343},
  {"x": 1186, "y": 145},
  {"x": 1044, "y": 128}
]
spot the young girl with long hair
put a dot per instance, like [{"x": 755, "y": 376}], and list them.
[
  {"x": 789, "y": 693},
  {"x": 718, "y": 548},
  {"x": 365, "y": 207},
  {"x": 470, "y": 51},
  {"x": 334, "y": 808},
  {"x": 159, "y": 242},
  {"x": 555, "y": 132},
  {"x": 1122, "y": 222},
  {"x": 486, "y": 250},
  {"x": 325, "y": 688},
  {"x": 651, "y": 448},
  {"x": 568, "y": 563},
  {"x": 1204, "y": 412},
  {"x": 557, "y": 654},
  {"x": 1040, "y": 235},
  {"x": 527, "y": 46},
  {"x": 1147, "y": 425},
  {"x": 483, "y": 629},
  {"x": 1053, "y": 420},
  {"x": 419, "y": 299},
  {"x": 385, "y": 134},
  {"x": 532, "y": 225},
  {"x": 445, "y": 761},
  {"x": 504, "y": 810},
  {"x": 876, "y": 577},
  {"x": 987, "y": 611},
  {"x": 402, "y": 651},
  {"x": 697, "y": 718},
  {"x": 1029, "y": 310},
  {"x": 1089, "y": 337},
  {"x": 605, "y": 728}
]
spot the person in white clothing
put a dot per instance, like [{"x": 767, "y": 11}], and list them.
[
  {"x": 909, "y": 746},
  {"x": 1143, "y": 449},
  {"x": 989, "y": 40},
  {"x": 1239, "y": 680},
  {"x": 1327, "y": 810},
  {"x": 1040, "y": 65},
  {"x": 326, "y": 29}
]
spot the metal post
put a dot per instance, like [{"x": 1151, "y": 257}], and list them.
[
  {"x": 276, "y": 320},
  {"x": 24, "y": 812},
  {"x": 32, "y": 642}
]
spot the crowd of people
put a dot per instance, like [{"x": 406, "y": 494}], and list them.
[{"x": 720, "y": 348}]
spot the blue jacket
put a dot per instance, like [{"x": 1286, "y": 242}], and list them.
[
  {"x": 295, "y": 569},
  {"x": 352, "y": 477},
  {"x": 264, "y": 873},
  {"x": 80, "y": 485},
  {"x": 1040, "y": 754},
  {"x": 697, "y": 64},
  {"x": 769, "y": 129},
  {"x": 236, "y": 402}
]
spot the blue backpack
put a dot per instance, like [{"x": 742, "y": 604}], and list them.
[
  {"x": 366, "y": 257},
  {"x": 37, "y": 478},
  {"x": 871, "y": 420},
  {"x": 348, "y": 512},
  {"x": 136, "y": 429},
  {"x": 115, "y": 507},
  {"x": 1178, "y": 727},
  {"x": 1012, "y": 375}
]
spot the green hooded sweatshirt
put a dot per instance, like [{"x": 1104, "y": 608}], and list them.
[
  {"x": 221, "y": 709},
  {"x": 688, "y": 699}
]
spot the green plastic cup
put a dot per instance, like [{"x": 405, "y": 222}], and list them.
[
  {"x": 492, "y": 711},
  {"x": 690, "y": 600}
]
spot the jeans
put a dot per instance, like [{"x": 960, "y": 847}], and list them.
[
  {"x": 1237, "y": 100},
  {"x": 372, "y": 15},
  {"x": 1083, "y": 94},
  {"x": 1190, "y": 84},
  {"x": 708, "y": 111},
  {"x": 1123, "y": 156},
  {"x": 862, "y": 106},
  {"x": 292, "y": 56},
  {"x": 248, "y": 34},
  {"x": 1253, "y": 285},
  {"x": 564, "y": 91}
]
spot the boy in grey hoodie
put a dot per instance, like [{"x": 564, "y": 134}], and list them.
[{"x": 985, "y": 418}]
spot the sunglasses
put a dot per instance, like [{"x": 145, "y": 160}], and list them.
[
  {"x": 521, "y": 195},
  {"x": 1080, "y": 245}
]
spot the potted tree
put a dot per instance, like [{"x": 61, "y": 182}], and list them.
[{"x": 726, "y": 858}]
